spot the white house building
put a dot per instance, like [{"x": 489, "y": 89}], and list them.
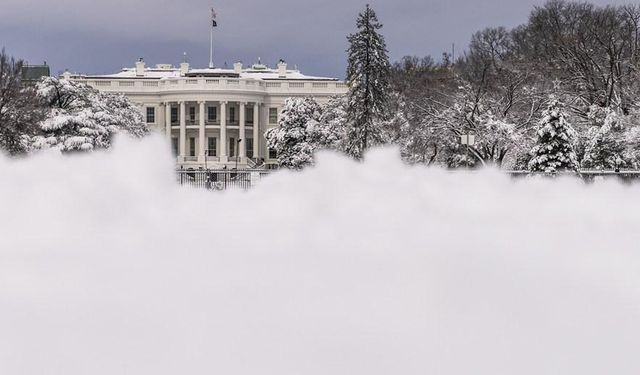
[{"x": 214, "y": 117}]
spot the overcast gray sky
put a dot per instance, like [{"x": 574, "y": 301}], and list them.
[{"x": 102, "y": 36}]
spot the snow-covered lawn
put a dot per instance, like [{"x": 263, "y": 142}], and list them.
[{"x": 108, "y": 267}]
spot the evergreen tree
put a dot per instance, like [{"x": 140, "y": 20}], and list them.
[
  {"x": 554, "y": 148},
  {"x": 606, "y": 146},
  {"x": 368, "y": 77}
]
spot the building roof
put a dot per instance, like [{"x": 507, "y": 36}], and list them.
[
  {"x": 257, "y": 71},
  {"x": 34, "y": 72}
]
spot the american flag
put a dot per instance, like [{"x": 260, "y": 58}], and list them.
[{"x": 214, "y": 23}]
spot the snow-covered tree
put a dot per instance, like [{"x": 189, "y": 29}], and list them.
[
  {"x": 368, "y": 77},
  {"x": 305, "y": 127},
  {"x": 81, "y": 118},
  {"x": 554, "y": 149},
  {"x": 329, "y": 132},
  {"x": 19, "y": 107},
  {"x": 606, "y": 146},
  {"x": 431, "y": 131},
  {"x": 290, "y": 139}
]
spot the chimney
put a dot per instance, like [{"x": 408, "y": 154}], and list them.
[
  {"x": 184, "y": 66},
  {"x": 282, "y": 69},
  {"x": 140, "y": 67},
  {"x": 237, "y": 67}
]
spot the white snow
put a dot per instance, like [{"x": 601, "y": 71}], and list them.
[
  {"x": 107, "y": 267},
  {"x": 267, "y": 74}
]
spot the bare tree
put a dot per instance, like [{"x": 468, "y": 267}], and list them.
[{"x": 19, "y": 112}]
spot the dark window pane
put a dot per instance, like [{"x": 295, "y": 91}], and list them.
[
  {"x": 249, "y": 115},
  {"x": 192, "y": 147},
  {"x": 273, "y": 115},
  {"x": 232, "y": 114},
  {"x": 212, "y": 114},
  {"x": 151, "y": 115},
  {"x": 174, "y": 146},
  {"x": 232, "y": 147},
  {"x": 249, "y": 147},
  {"x": 212, "y": 149}
]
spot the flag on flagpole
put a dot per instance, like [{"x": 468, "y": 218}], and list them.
[{"x": 214, "y": 23}]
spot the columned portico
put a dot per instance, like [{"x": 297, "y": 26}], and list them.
[
  {"x": 224, "y": 158},
  {"x": 183, "y": 131}
]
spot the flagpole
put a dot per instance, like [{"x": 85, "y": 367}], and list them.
[
  {"x": 214, "y": 24},
  {"x": 211, "y": 49}
]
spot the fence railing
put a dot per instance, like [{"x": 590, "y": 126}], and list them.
[
  {"x": 589, "y": 176},
  {"x": 222, "y": 179},
  {"x": 243, "y": 179}
]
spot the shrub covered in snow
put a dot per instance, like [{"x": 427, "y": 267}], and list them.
[{"x": 606, "y": 146}]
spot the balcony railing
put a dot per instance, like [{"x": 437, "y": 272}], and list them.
[
  {"x": 210, "y": 123},
  {"x": 232, "y": 84}
]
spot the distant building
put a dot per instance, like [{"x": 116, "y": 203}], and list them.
[
  {"x": 214, "y": 117},
  {"x": 32, "y": 73}
]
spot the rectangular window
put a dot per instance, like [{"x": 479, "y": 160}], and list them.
[
  {"x": 174, "y": 146},
  {"x": 212, "y": 114},
  {"x": 192, "y": 114},
  {"x": 151, "y": 115},
  {"x": 249, "y": 115},
  {"x": 174, "y": 115},
  {"x": 273, "y": 116},
  {"x": 232, "y": 114},
  {"x": 212, "y": 146},
  {"x": 249, "y": 147},
  {"x": 192, "y": 146},
  {"x": 273, "y": 154},
  {"x": 232, "y": 147}
]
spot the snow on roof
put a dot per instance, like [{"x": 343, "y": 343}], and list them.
[
  {"x": 251, "y": 73},
  {"x": 148, "y": 73}
]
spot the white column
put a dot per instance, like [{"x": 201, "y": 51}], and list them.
[
  {"x": 159, "y": 110},
  {"x": 242, "y": 148},
  {"x": 223, "y": 132},
  {"x": 202, "y": 141},
  {"x": 256, "y": 130},
  {"x": 264, "y": 126},
  {"x": 183, "y": 131},
  {"x": 167, "y": 120}
]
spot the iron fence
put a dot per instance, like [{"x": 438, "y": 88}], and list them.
[
  {"x": 223, "y": 179},
  {"x": 243, "y": 179},
  {"x": 588, "y": 176}
]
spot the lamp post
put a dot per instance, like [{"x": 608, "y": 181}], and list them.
[{"x": 468, "y": 140}]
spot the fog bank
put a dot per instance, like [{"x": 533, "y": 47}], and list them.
[{"x": 108, "y": 267}]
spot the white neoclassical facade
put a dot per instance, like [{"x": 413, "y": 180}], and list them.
[{"x": 214, "y": 118}]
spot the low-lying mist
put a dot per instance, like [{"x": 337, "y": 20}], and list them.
[{"x": 108, "y": 267}]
